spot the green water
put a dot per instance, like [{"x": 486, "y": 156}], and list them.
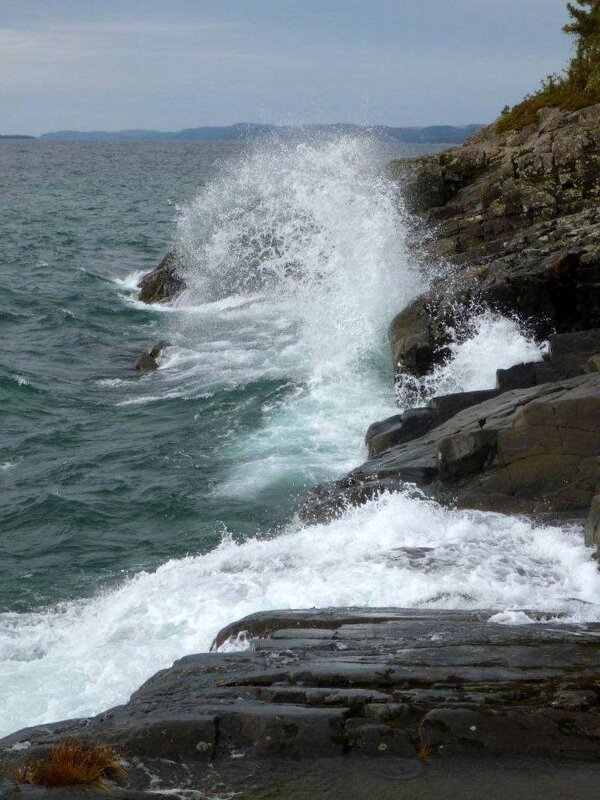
[{"x": 91, "y": 490}]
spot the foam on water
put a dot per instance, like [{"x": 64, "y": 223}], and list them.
[
  {"x": 82, "y": 657},
  {"x": 296, "y": 264}
]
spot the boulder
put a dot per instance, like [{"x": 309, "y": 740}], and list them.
[
  {"x": 164, "y": 283},
  {"x": 150, "y": 359}
]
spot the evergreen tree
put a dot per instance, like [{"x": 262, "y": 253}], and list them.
[
  {"x": 579, "y": 85},
  {"x": 585, "y": 23},
  {"x": 584, "y": 70}
]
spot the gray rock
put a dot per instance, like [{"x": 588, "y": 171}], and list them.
[
  {"x": 592, "y": 524},
  {"x": 150, "y": 359},
  {"x": 400, "y": 680},
  {"x": 164, "y": 283},
  {"x": 529, "y": 450}
]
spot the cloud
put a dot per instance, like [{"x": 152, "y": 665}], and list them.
[{"x": 189, "y": 62}]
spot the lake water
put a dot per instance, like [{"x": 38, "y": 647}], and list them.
[{"x": 140, "y": 512}]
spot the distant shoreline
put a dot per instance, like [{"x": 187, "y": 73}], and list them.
[{"x": 432, "y": 134}]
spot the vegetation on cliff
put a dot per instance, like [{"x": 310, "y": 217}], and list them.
[{"x": 579, "y": 85}]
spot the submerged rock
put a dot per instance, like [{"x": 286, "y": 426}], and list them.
[{"x": 163, "y": 283}]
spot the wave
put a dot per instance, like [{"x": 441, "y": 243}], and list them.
[
  {"x": 398, "y": 551},
  {"x": 296, "y": 262}
]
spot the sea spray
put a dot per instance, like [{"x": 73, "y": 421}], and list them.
[
  {"x": 488, "y": 341},
  {"x": 398, "y": 551},
  {"x": 296, "y": 264},
  {"x": 308, "y": 239}
]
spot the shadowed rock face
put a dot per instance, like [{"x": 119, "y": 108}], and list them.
[
  {"x": 162, "y": 284},
  {"x": 352, "y": 683}
]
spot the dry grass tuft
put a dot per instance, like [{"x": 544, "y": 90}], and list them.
[
  {"x": 71, "y": 763},
  {"x": 554, "y": 93},
  {"x": 424, "y": 753}
]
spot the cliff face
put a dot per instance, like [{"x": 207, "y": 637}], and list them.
[
  {"x": 516, "y": 217},
  {"x": 509, "y": 222}
]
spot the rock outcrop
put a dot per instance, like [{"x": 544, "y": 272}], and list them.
[
  {"x": 353, "y": 684},
  {"x": 516, "y": 221},
  {"x": 513, "y": 224},
  {"x": 164, "y": 283},
  {"x": 530, "y": 445}
]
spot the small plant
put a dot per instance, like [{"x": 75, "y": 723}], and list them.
[
  {"x": 424, "y": 753},
  {"x": 71, "y": 763}
]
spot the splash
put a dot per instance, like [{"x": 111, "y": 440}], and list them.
[
  {"x": 490, "y": 342},
  {"x": 295, "y": 259},
  {"x": 397, "y": 551}
]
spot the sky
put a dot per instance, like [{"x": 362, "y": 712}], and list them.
[{"x": 172, "y": 64}]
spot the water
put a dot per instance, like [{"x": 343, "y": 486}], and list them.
[{"x": 141, "y": 512}]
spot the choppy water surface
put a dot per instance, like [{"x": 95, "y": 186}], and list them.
[{"x": 141, "y": 512}]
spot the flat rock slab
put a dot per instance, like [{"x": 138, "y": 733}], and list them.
[{"x": 366, "y": 684}]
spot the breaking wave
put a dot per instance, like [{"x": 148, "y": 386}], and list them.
[{"x": 296, "y": 262}]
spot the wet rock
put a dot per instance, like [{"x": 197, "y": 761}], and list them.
[
  {"x": 164, "y": 283},
  {"x": 529, "y": 450},
  {"x": 365, "y": 684},
  {"x": 150, "y": 359},
  {"x": 416, "y": 422},
  {"x": 397, "y": 429},
  {"x": 516, "y": 221},
  {"x": 592, "y": 524}
]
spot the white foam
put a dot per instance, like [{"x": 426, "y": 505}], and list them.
[
  {"x": 131, "y": 281},
  {"x": 492, "y": 342},
  {"x": 313, "y": 236},
  {"x": 83, "y": 657}
]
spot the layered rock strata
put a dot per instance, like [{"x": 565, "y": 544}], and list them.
[{"x": 352, "y": 684}]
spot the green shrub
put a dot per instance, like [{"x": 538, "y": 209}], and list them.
[{"x": 578, "y": 86}]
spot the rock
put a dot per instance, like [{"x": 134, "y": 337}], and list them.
[
  {"x": 516, "y": 219},
  {"x": 397, "y": 429},
  {"x": 418, "y": 421},
  {"x": 592, "y": 525},
  {"x": 373, "y": 687},
  {"x": 164, "y": 283},
  {"x": 150, "y": 359},
  {"x": 359, "y": 683},
  {"x": 531, "y": 450}
]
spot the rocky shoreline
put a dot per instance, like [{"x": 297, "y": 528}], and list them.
[
  {"x": 360, "y": 685},
  {"x": 516, "y": 222},
  {"x": 339, "y": 693}
]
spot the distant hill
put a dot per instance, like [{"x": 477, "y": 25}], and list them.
[
  {"x": 249, "y": 131},
  {"x": 16, "y": 136}
]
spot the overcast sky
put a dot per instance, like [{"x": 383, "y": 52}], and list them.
[{"x": 171, "y": 64}]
